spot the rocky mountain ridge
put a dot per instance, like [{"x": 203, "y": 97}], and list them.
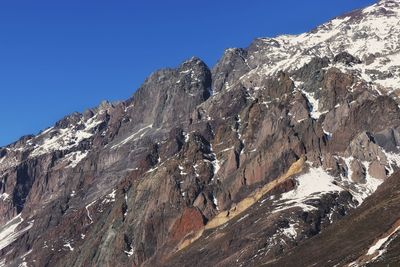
[{"x": 242, "y": 165}]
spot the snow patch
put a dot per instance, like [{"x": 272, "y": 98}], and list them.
[
  {"x": 327, "y": 134},
  {"x": 186, "y": 136},
  {"x": 375, "y": 35},
  {"x": 126, "y": 204},
  {"x": 392, "y": 158},
  {"x": 215, "y": 201},
  {"x": 88, "y": 211},
  {"x": 314, "y": 105},
  {"x": 360, "y": 191},
  {"x": 242, "y": 218},
  {"x": 129, "y": 252},
  {"x": 9, "y": 233},
  {"x": 4, "y": 196},
  {"x": 65, "y": 139},
  {"x": 133, "y": 137},
  {"x": 380, "y": 246},
  {"x": 290, "y": 231},
  {"x": 311, "y": 185},
  {"x": 110, "y": 197},
  {"x": 75, "y": 158},
  {"x": 215, "y": 162},
  {"x": 69, "y": 246}
]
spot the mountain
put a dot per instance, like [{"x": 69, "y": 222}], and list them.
[{"x": 286, "y": 153}]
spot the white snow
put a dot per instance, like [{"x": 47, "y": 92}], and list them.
[
  {"x": 314, "y": 105},
  {"x": 227, "y": 149},
  {"x": 243, "y": 217},
  {"x": 371, "y": 182},
  {"x": 68, "y": 245},
  {"x": 215, "y": 201},
  {"x": 75, "y": 157},
  {"x": 216, "y": 165},
  {"x": 376, "y": 33},
  {"x": 88, "y": 211},
  {"x": 379, "y": 247},
  {"x": 130, "y": 252},
  {"x": 328, "y": 134},
  {"x": 126, "y": 203},
  {"x": 26, "y": 254},
  {"x": 64, "y": 139},
  {"x": 46, "y": 131},
  {"x": 392, "y": 158},
  {"x": 110, "y": 197},
  {"x": 133, "y": 137},
  {"x": 9, "y": 233},
  {"x": 92, "y": 122},
  {"x": 196, "y": 173},
  {"x": 290, "y": 231},
  {"x": 4, "y": 196},
  {"x": 187, "y": 136},
  {"x": 182, "y": 170},
  {"x": 311, "y": 185},
  {"x": 348, "y": 162},
  {"x": 186, "y": 71},
  {"x": 152, "y": 170},
  {"x": 215, "y": 162},
  {"x": 360, "y": 191}
]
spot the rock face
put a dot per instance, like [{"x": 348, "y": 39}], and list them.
[{"x": 253, "y": 162}]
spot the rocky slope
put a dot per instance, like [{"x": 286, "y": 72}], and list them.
[{"x": 257, "y": 161}]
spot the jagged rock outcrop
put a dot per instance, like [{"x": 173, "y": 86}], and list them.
[{"x": 244, "y": 164}]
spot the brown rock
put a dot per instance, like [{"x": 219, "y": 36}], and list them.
[{"x": 190, "y": 221}]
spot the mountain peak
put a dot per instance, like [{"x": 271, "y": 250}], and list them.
[
  {"x": 281, "y": 142},
  {"x": 194, "y": 63}
]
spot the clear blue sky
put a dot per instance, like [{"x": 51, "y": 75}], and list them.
[{"x": 61, "y": 56}]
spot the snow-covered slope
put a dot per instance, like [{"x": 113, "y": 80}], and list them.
[
  {"x": 371, "y": 34},
  {"x": 242, "y": 163}
]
